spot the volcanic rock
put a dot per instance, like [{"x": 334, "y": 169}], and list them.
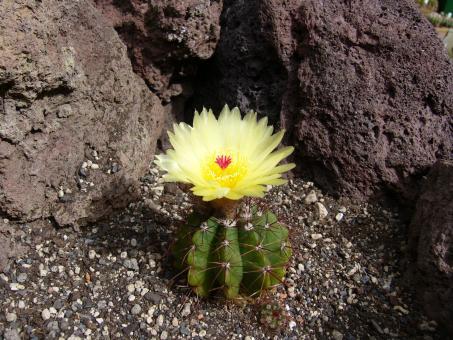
[
  {"x": 246, "y": 70},
  {"x": 364, "y": 88},
  {"x": 165, "y": 39},
  {"x": 431, "y": 243},
  {"x": 374, "y": 103},
  {"x": 69, "y": 99}
]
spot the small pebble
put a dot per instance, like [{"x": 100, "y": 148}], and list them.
[
  {"x": 83, "y": 172},
  {"x": 401, "y": 309},
  {"x": 186, "y": 310},
  {"x": 11, "y": 317},
  {"x": 160, "y": 320},
  {"x": 136, "y": 309},
  {"x": 64, "y": 325},
  {"x": 16, "y": 286},
  {"x": 58, "y": 304},
  {"x": 130, "y": 288},
  {"x": 184, "y": 330},
  {"x": 311, "y": 198},
  {"x": 11, "y": 334},
  {"x": 131, "y": 264},
  {"x": 300, "y": 267},
  {"x": 339, "y": 217},
  {"x": 115, "y": 168},
  {"x": 45, "y": 314},
  {"x": 322, "y": 211},
  {"x": 21, "y": 278},
  {"x": 102, "y": 304},
  {"x": 337, "y": 335},
  {"x": 153, "y": 297},
  {"x": 316, "y": 236},
  {"x": 53, "y": 326}
]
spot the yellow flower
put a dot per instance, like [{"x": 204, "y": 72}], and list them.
[{"x": 227, "y": 157}]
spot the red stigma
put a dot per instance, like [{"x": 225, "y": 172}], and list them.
[{"x": 223, "y": 161}]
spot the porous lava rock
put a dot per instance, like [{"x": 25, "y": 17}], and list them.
[
  {"x": 165, "y": 39},
  {"x": 375, "y": 96},
  {"x": 246, "y": 70},
  {"x": 431, "y": 243},
  {"x": 364, "y": 88},
  {"x": 77, "y": 126}
]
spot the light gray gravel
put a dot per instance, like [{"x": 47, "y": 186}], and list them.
[{"x": 115, "y": 280}]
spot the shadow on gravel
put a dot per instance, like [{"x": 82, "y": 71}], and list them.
[{"x": 143, "y": 233}]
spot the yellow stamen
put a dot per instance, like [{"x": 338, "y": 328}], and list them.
[{"x": 225, "y": 175}]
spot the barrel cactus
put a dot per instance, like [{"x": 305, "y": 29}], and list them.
[
  {"x": 225, "y": 159},
  {"x": 238, "y": 256}
]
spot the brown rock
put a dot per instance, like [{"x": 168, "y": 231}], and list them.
[
  {"x": 165, "y": 38},
  {"x": 431, "y": 244},
  {"x": 246, "y": 70},
  {"x": 68, "y": 95},
  {"x": 364, "y": 88},
  {"x": 375, "y": 96}
]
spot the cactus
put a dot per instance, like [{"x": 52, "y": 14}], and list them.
[{"x": 239, "y": 256}]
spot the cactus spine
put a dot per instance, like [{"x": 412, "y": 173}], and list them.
[{"x": 239, "y": 256}]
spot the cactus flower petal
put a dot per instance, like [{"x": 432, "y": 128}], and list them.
[{"x": 229, "y": 157}]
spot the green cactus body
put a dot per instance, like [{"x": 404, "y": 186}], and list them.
[{"x": 238, "y": 257}]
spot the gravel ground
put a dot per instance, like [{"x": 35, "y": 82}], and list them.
[{"x": 114, "y": 279}]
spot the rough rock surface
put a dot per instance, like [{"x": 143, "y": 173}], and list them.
[
  {"x": 432, "y": 243},
  {"x": 68, "y": 95},
  {"x": 246, "y": 70},
  {"x": 165, "y": 38},
  {"x": 364, "y": 87}
]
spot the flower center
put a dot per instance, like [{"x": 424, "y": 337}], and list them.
[
  {"x": 224, "y": 168},
  {"x": 223, "y": 161}
]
